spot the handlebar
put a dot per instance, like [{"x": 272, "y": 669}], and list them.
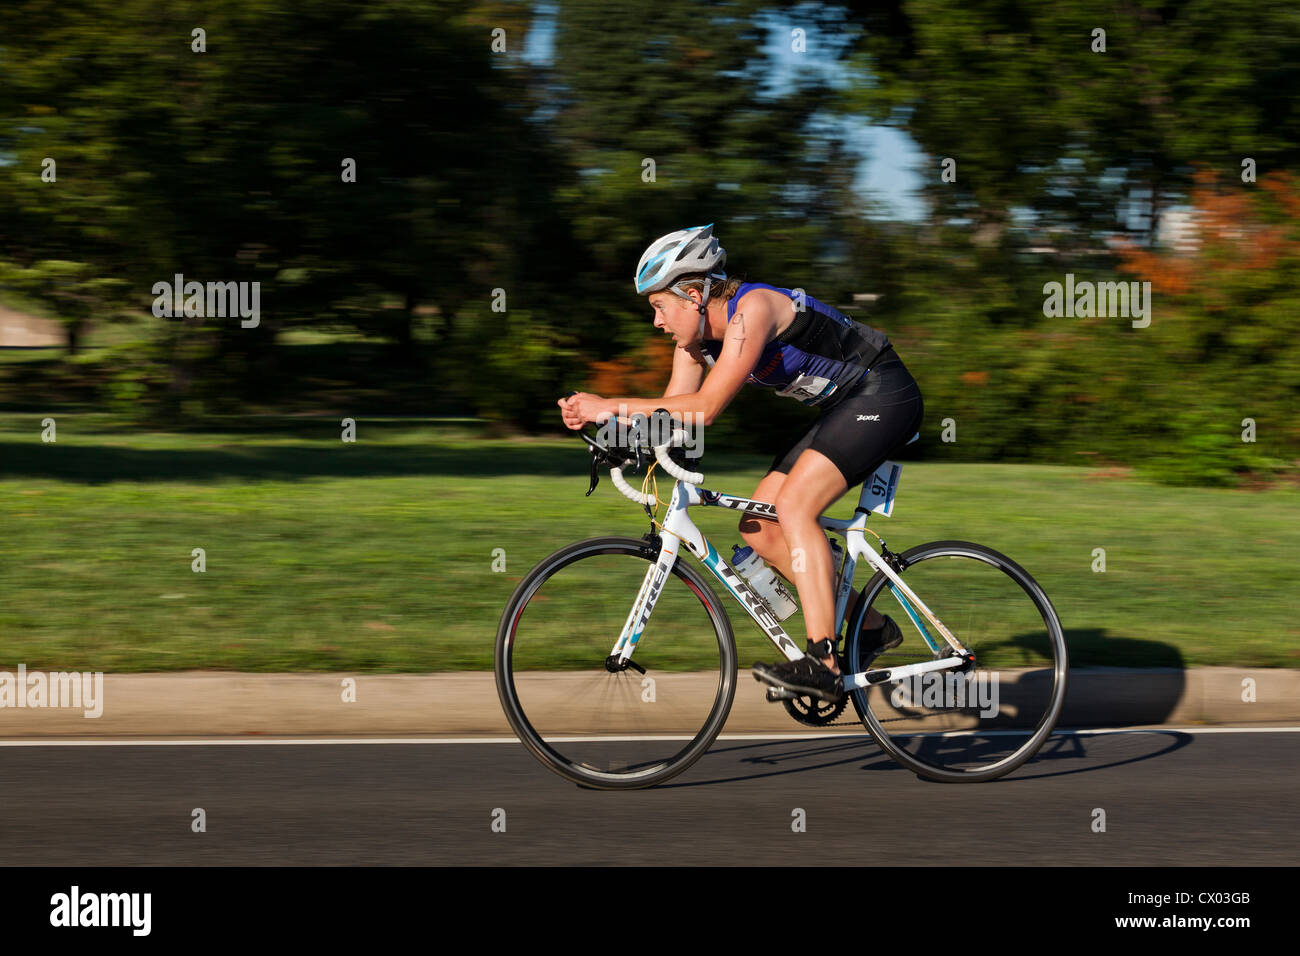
[{"x": 617, "y": 457}]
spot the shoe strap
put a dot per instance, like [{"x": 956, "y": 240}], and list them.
[{"x": 823, "y": 648}]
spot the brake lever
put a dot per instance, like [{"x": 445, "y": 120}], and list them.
[
  {"x": 600, "y": 455},
  {"x": 595, "y": 475}
]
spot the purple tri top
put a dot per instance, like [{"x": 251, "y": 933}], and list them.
[{"x": 822, "y": 354}]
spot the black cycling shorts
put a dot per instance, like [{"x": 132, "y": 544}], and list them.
[{"x": 860, "y": 431}]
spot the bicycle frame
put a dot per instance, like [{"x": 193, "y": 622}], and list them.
[{"x": 678, "y": 527}]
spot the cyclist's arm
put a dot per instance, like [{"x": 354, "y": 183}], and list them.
[
  {"x": 748, "y": 333},
  {"x": 688, "y": 372},
  {"x": 746, "y": 336}
]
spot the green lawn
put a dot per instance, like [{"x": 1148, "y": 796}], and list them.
[{"x": 377, "y": 556}]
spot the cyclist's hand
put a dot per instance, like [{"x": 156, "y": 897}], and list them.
[
  {"x": 588, "y": 407},
  {"x": 568, "y": 412}
]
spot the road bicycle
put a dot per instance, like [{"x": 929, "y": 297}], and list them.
[{"x": 616, "y": 664}]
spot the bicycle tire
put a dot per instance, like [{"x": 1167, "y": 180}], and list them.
[
  {"x": 866, "y": 598},
  {"x": 507, "y": 690}
]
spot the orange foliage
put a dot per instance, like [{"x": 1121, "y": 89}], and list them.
[
  {"x": 1229, "y": 231},
  {"x": 643, "y": 373},
  {"x": 975, "y": 378}
]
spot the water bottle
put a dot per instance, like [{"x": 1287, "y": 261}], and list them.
[{"x": 764, "y": 581}]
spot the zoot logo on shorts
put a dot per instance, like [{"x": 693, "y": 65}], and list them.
[{"x": 868, "y": 418}]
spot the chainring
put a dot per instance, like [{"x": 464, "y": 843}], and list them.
[{"x": 813, "y": 711}]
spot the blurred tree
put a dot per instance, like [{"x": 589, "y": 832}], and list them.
[
  {"x": 667, "y": 113},
  {"x": 1040, "y": 123},
  {"x": 674, "y": 114},
  {"x": 228, "y": 164}
]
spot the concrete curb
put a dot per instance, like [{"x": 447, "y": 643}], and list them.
[{"x": 214, "y": 703}]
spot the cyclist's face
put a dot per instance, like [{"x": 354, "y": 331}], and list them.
[{"x": 675, "y": 315}]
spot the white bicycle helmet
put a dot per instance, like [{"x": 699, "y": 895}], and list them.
[
  {"x": 681, "y": 253},
  {"x": 684, "y": 252}
]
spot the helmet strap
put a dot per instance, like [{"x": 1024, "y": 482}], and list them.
[{"x": 704, "y": 304}]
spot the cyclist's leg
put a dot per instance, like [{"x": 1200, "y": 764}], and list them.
[
  {"x": 869, "y": 426},
  {"x": 817, "y": 482},
  {"x": 841, "y": 449},
  {"x": 812, "y": 486},
  {"x": 816, "y": 479},
  {"x": 764, "y": 536}
]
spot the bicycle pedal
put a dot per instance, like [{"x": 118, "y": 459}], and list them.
[{"x": 775, "y": 694}]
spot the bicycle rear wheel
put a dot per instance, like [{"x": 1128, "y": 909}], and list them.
[
  {"x": 622, "y": 729},
  {"x": 963, "y": 727}
]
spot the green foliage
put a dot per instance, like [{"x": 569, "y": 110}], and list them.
[
  {"x": 1038, "y": 120},
  {"x": 479, "y": 171},
  {"x": 523, "y": 365},
  {"x": 1202, "y": 445}
]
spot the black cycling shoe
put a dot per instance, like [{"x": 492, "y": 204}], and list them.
[
  {"x": 879, "y": 639},
  {"x": 808, "y": 675}
]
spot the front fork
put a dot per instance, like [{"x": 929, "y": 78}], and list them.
[{"x": 620, "y": 658}]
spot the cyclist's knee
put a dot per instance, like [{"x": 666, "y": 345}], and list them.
[{"x": 792, "y": 511}]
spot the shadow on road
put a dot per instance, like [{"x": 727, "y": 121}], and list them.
[{"x": 786, "y": 757}]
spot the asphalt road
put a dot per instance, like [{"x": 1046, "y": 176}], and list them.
[{"x": 1170, "y": 798}]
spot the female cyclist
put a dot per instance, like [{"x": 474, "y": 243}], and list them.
[{"x": 869, "y": 406}]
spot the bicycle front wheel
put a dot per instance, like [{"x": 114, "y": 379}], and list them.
[
  {"x": 621, "y": 729},
  {"x": 977, "y": 725}
]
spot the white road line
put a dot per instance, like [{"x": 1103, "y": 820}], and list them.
[{"x": 349, "y": 741}]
